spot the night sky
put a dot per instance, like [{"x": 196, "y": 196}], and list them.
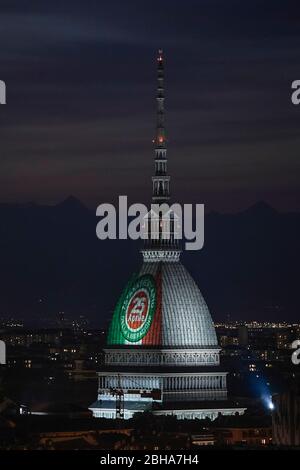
[{"x": 80, "y": 113}]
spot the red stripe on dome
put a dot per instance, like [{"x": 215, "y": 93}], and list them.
[{"x": 154, "y": 337}]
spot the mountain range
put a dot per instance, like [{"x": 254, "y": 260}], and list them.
[{"x": 51, "y": 261}]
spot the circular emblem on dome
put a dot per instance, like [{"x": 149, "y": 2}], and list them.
[{"x": 138, "y": 309}]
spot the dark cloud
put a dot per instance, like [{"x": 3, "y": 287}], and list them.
[{"x": 80, "y": 89}]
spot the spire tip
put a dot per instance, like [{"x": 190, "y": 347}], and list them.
[{"x": 160, "y": 55}]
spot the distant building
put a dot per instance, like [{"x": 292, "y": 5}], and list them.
[
  {"x": 203, "y": 439},
  {"x": 247, "y": 430},
  {"x": 243, "y": 435},
  {"x": 243, "y": 337}
]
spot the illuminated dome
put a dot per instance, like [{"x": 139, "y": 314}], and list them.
[{"x": 179, "y": 319}]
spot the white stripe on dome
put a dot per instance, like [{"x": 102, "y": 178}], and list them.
[{"x": 186, "y": 321}]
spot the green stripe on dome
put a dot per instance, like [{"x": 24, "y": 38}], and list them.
[{"x": 115, "y": 335}]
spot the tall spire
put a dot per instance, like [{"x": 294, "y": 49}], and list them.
[
  {"x": 161, "y": 242},
  {"x": 160, "y": 128},
  {"x": 160, "y": 181}
]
